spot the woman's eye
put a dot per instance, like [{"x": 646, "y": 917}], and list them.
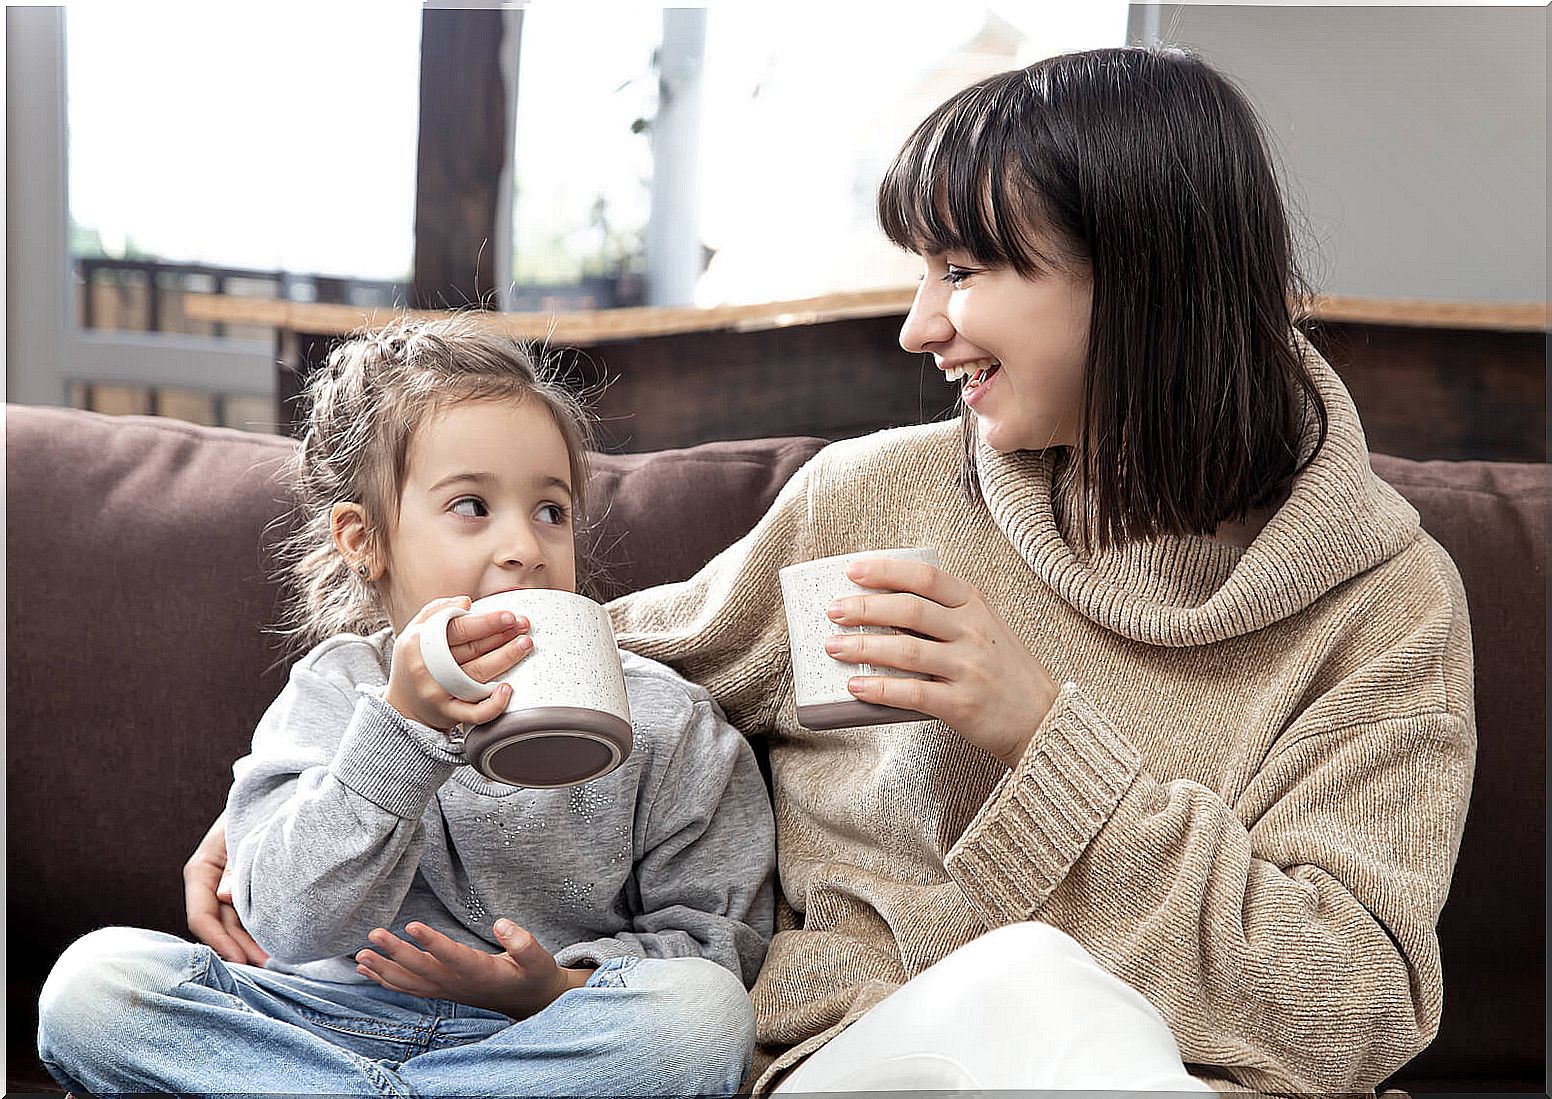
[
  {"x": 553, "y": 514},
  {"x": 956, "y": 275},
  {"x": 471, "y": 507}
]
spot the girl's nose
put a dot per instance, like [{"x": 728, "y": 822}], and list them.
[
  {"x": 926, "y": 325},
  {"x": 520, "y": 549}
]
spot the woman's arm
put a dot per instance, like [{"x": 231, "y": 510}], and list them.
[
  {"x": 724, "y": 628},
  {"x": 1288, "y": 937},
  {"x": 207, "y": 901}
]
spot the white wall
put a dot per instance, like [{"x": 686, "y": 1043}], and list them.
[{"x": 1415, "y": 138}]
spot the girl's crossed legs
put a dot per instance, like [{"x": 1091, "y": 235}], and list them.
[
  {"x": 126, "y": 1010},
  {"x": 1023, "y": 1007}
]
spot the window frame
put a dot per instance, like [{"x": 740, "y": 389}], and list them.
[{"x": 45, "y": 349}]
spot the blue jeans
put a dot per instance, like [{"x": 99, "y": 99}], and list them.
[{"x": 126, "y": 1010}]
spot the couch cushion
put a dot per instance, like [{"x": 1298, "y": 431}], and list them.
[
  {"x": 137, "y": 666},
  {"x": 1492, "y": 518},
  {"x": 661, "y": 516}
]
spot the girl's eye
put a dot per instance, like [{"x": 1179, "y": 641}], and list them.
[
  {"x": 470, "y": 507},
  {"x": 553, "y": 514},
  {"x": 955, "y": 275}
]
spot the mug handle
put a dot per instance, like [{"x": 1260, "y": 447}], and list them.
[{"x": 438, "y": 655}]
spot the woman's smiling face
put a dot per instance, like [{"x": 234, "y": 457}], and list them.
[{"x": 1022, "y": 340}]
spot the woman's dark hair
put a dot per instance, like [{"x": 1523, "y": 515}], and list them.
[{"x": 1149, "y": 170}]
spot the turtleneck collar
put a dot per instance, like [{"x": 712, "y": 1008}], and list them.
[{"x": 1339, "y": 521}]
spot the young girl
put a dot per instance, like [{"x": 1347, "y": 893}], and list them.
[
  {"x": 372, "y": 864},
  {"x": 1205, "y": 730}
]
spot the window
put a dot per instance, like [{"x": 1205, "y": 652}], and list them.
[
  {"x": 214, "y": 150},
  {"x": 798, "y": 109},
  {"x": 805, "y": 105}
]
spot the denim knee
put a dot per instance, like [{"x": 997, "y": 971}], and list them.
[
  {"x": 96, "y": 985},
  {"x": 706, "y": 1023}
]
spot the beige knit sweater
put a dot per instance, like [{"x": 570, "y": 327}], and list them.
[{"x": 1246, "y": 802}]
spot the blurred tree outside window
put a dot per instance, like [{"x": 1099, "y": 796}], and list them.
[
  {"x": 582, "y": 175},
  {"x": 802, "y": 106}
]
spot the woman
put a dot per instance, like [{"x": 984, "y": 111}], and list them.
[{"x": 1205, "y": 731}]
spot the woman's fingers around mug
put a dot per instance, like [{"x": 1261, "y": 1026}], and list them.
[
  {"x": 901, "y": 651},
  {"x": 898, "y": 610},
  {"x": 925, "y": 696},
  {"x": 903, "y": 575}
]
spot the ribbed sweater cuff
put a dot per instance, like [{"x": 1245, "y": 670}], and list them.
[
  {"x": 382, "y": 759},
  {"x": 1045, "y": 812},
  {"x": 595, "y": 952}
]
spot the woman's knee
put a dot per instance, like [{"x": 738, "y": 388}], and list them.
[
  {"x": 103, "y": 977},
  {"x": 1024, "y": 950}
]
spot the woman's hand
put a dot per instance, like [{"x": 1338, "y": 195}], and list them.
[
  {"x": 985, "y": 684},
  {"x": 207, "y": 901},
  {"x": 485, "y": 645},
  {"x": 520, "y": 981}
]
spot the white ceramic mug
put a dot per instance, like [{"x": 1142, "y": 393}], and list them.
[
  {"x": 568, "y": 720},
  {"x": 819, "y": 679}
]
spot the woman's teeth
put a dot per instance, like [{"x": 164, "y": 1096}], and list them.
[{"x": 977, "y": 371}]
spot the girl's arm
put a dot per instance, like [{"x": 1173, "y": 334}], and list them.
[{"x": 324, "y": 816}]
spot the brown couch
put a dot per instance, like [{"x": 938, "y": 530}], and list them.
[{"x": 137, "y": 666}]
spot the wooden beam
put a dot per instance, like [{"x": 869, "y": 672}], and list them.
[
  {"x": 1502, "y": 316},
  {"x": 586, "y": 327},
  {"x": 591, "y": 326},
  {"x": 463, "y": 150}
]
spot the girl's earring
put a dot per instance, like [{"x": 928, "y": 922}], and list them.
[{"x": 361, "y": 567}]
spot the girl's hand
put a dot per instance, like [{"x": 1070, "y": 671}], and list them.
[
  {"x": 207, "y": 901},
  {"x": 485, "y": 645},
  {"x": 985, "y": 684},
  {"x": 521, "y": 981}
]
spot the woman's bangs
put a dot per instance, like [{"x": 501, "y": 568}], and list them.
[
  {"x": 911, "y": 198},
  {"x": 951, "y": 187}
]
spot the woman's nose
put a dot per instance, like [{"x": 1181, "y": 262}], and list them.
[{"x": 926, "y": 325}]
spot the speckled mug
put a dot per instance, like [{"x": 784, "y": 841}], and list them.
[
  {"x": 819, "y": 679},
  {"x": 568, "y": 720}
]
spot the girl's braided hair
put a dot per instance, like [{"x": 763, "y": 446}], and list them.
[{"x": 361, "y": 411}]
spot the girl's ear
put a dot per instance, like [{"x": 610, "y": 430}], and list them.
[{"x": 353, "y": 538}]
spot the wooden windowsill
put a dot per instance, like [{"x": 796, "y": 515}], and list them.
[{"x": 607, "y": 325}]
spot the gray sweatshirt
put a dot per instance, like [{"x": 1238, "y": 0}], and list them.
[{"x": 348, "y": 816}]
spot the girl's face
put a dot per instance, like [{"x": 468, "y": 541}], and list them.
[
  {"x": 485, "y": 508},
  {"x": 1020, "y": 341}
]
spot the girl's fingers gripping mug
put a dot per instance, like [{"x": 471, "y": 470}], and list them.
[
  {"x": 568, "y": 720},
  {"x": 818, "y": 679}
]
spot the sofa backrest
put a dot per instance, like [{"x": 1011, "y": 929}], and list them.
[
  {"x": 137, "y": 564},
  {"x": 1492, "y": 519}
]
